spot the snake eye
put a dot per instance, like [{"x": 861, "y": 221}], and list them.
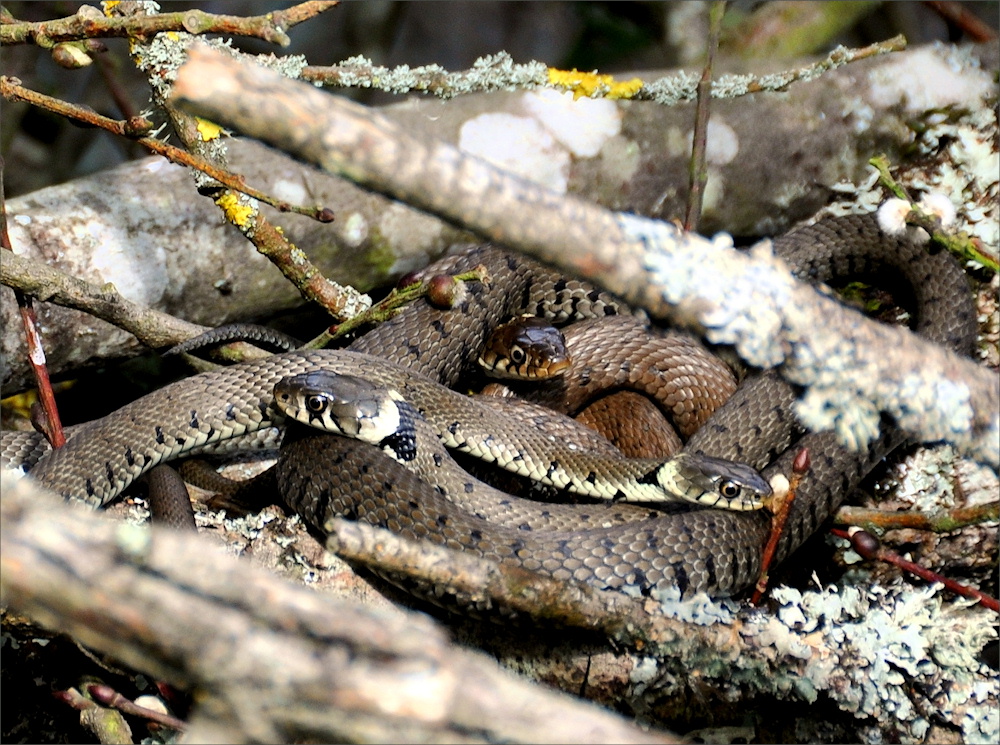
[
  {"x": 315, "y": 404},
  {"x": 517, "y": 355},
  {"x": 730, "y": 490}
]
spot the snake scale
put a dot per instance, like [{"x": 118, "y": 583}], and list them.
[{"x": 695, "y": 549}]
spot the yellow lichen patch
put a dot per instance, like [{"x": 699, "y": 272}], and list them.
[
  {"x": 109, "y": 5},
  {"x": 237, "y": 213},
  {"x": 208, "y": 130},
  {"x": 593, "y": 85}
]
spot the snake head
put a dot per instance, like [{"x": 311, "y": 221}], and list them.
[
  {"x": 526, "y": 348},
  {"x": 714, "y": 482},
  {"x": 342, "y": 404}
]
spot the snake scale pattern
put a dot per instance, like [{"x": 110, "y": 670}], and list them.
[{"x": 625, "y": 546}]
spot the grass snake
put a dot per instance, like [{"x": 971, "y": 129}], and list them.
[{"x": 696, "y": 549}]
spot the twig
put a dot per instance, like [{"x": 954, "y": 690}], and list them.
[
  {"x": 52, "y": 424},
  {"x": 89, "y": 23},
  {"x": 404, "y": 292},
  {"x": 942, "y": 521},
  {"x": 962, "y": 245},
  {"x": 870, "y": 548},
  {"x": 498, "y": 72},
  {"x": 956, "y": 13},
  {"x": 110, "y": 697},
  {"x": 108, "y": 725},
  {"x": 136, "y": 128},
  {"x": 151, "y": 327},
  {"x": 800, "y": 467},
  {"x": 698, "y": 173}
]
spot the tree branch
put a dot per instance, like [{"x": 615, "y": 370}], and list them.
[
  {"x": 299, "y": 666},
  {"x": 751, "y": 301},
  {"x": 89, "y": 23}
]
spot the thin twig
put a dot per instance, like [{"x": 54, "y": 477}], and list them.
[
  {"x": 110, "y": 697},
  {"x": 956, "y": 13},
  {"x": 51, "y": 423},
  {"x": 800, "y": 466},
  {"x": 153, "y": 328},
  {"x": 962, "y": 245},
  {"x": 870, "y": 548},
  {"x": 498, "y": 72},
  {"x": 89, "y": 23},
  {"x": 136, "y": 128},
  {"x": 698, "y": 173},
  {"x": 405, "y": 292},
  {"x": 942, "y": 521}
]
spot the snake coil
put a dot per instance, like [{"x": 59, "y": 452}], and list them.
[{"x": 623, "y": 546}]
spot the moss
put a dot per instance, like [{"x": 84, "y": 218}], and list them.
[{"x": 381, "y": 255}]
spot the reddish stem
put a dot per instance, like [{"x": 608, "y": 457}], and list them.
[
  {"x": 869, "y": 547},
  {"x": 800, "y": 466}
]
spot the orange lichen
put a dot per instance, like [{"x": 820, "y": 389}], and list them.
[{"x": 593, "y": 85}]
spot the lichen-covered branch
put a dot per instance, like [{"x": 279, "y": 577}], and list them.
[
  {"x": 498, "y": 72},
  {"x": 299, "y": 666},
  {"x": 854, "y": 368},
  {"x": 145, "y": 215},
  {"x": 158, "y": 59},
  {"x": 164, "y": 600},
  {"x": 90, "y": 23}
]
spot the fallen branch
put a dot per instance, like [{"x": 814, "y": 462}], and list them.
[
  {"x": 857, "y": 368},
  {"x": 319, "y": 669}
]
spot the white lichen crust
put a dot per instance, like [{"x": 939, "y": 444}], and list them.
[{"x": 898, "y": 659}]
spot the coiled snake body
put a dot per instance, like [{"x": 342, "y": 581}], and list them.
[{"x": 698, "y": 549}]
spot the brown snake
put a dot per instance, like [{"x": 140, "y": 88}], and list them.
[
  {"x": 598, "y": 370},
  {"x": 697, "y": 549}
]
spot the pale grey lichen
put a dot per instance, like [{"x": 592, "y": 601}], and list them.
[
  {"x": 890, "y": 654},
  {"x": 494, "y": 72},
  {"x": 698, "y": 609},
  {"x": 754, "y": 303},
  {"x": 736, "y": 295}
]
